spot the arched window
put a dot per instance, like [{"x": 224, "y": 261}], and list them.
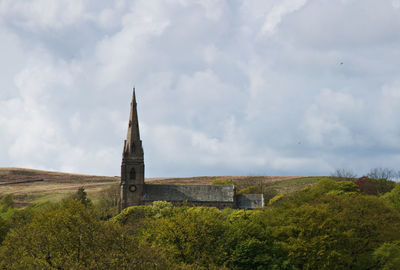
[{"x": 132, "y": 174}]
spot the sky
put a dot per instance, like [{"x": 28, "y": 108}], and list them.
[{"x": 224, "y": 87}]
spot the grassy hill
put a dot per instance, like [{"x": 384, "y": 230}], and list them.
[{"x": 33, "y": 186}]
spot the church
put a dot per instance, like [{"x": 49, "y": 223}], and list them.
[{"x": 134, "y": 190}]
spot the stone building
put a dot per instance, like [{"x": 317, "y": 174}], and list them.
[{"x": 134, "y": 190}]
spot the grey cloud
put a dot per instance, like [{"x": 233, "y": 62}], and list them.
[{"x": 223, "y": 87}]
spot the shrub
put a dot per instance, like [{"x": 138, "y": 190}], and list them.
[
  {"x": 393, "y": 197},
  {"x": 251, "y": 190},
  {"x": 221, "y": 182},
  {"x": 276, "y": 198},
  {"x": 371, "y": 186},
  {"x": 6, "y": 202}
]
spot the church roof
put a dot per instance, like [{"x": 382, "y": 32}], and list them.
[{"x": 190, "y": 193}]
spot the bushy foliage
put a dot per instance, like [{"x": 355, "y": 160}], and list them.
[
  {"x": 254, "y": 189},
  {"x": 222, "y": 182},
  {"x": 331, "y": 225},
  {"x": 335, "y": 232},
  {"x": 81, "y": 196},
  {"x": 324, "y": 186},
  {"x": 72, "y": 237},
  {"x": 393, "y": 197},
  {"x": 6, "y": 202},
  {"x": 277, "y": 198},
  {"x": 387, "y": 256},
  {"x": 191, "y": 236}
]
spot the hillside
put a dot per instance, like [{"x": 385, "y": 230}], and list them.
[{"x": 32, "y": 186}]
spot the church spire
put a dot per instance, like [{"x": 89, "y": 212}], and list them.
[
  {"x": 133, "y": 144},
  {"x": 132, "y": 166}
]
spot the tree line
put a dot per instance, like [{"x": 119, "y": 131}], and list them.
[{"x": 337, "y": 223}]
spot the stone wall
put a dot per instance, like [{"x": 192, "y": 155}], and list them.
[
  {"x": 189, "y": 193},
  {"x": 249, "y": 201}
]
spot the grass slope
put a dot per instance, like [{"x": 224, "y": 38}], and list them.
[{"x": 53, "y": 186}]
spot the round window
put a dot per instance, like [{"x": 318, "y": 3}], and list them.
[{"x": 132, "y": 188}]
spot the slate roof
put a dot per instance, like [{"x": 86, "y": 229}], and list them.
[{"x": 190, "y": 193}]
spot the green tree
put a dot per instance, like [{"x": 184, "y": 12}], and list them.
[
  {"x": 6, "y": 202},
  {"x": 109, "y": 201},
  {"x": 335, "y": 231},
  {"x": 70, "y": 236},
  {"x": 4, "y": 227},
  {"x": 81, "y": 196},
  {"x": 387, "y": 256},
  {"x": 249, "y": 243},
  {"x": 393, "y": 197},
  {"x": 191, "y": 235}
]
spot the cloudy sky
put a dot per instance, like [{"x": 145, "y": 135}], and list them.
[{"x": 224, "y": 87}]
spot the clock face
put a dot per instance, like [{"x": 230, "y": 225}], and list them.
[{"x": 132, "y": 188}]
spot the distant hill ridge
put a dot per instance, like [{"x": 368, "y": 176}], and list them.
[{"x": 34, "y": 186}]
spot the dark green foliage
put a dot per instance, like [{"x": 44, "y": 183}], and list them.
[
  {"x": 81, "y": 196},
  {"x": 249, "y": 243},
  {"x": 6, "y": 202},
  {"x": 4, "y": 227}
]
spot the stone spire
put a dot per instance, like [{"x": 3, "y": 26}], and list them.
[
  {"x": 133, "y": 144},
  {"x": 132, "y": 166}
]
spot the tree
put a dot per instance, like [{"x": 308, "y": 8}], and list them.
[
  {"x": 387, "y": 256},
  {"x": 382, "y": 173},
  {"x": 109, "y": 201},
  {"x": 249, "y": 244},
  {"x": 371, "y": 186},
  {"x": 191, "y": 235},
  {"x": 393, "y": 197},
  {"x": 71, "y": 237},
  {"x": 4, "y": 227},
  {"x": 344, "y": 173},
  {"x": 335, "y": 231},
  {"x": 81, "y": 196},
  {"x": 6, "y": 202}
]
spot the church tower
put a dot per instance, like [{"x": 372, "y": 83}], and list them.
[{"x": 132, "y": 167}]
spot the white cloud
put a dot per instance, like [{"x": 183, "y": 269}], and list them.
[
  {"x": 278, "y": 11},
  {"x": 40, "y": 15},
  {"x": 223, "y": 87},
  {"x": 328, "y": 122}
]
